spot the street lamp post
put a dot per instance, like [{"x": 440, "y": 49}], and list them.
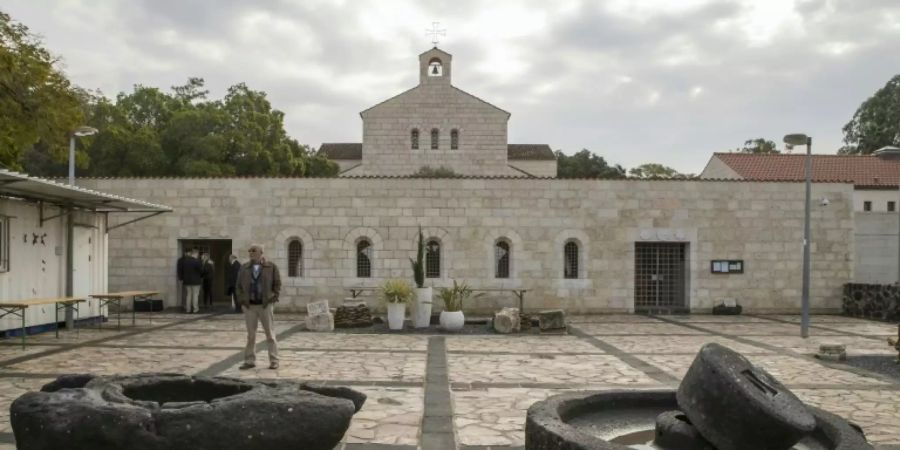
[
  {"x": 791, "y": 140},
  {"x": 80, "y": 131}
]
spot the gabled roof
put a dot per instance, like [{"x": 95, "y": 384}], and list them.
[
  {"x": 516, "y": 152},
  {"x": 862, "y": 170},
  {"x": 532, "y": 152},
  {"x": 341, "y": 150},
  {"x": 20, "y": 185}
]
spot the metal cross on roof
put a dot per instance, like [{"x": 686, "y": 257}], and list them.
[{"x": 435, "y": 32}]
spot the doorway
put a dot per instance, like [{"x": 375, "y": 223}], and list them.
[
  {"x": 218, "y": 251},
  {"x": 660, "y": 274}
]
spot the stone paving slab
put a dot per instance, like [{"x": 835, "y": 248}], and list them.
[
  {"x": 226, "y": 325},
  {"x": 519, "y": 344},
  {"x": 876, "y": 411},
  {"x": 868, "y": 329},
  {"x": 562, "y": 369},
  {"x": 612, "y": 318},
  {"x": 695, "y": 318},
  {"x": 111, "y": 361},
  {"x": 819, "y": 319},
  {"x": 789, "y": 370},
  {"x": 324, "y": 365},
  {"x": 11, "y": 389},
  {"x": 761, "y": 329},
  {"x": 8, "y": 351},
  {"x": 855, "y": 345},
  {"x": 601, "y": 329},
  {"x": 665, "y": 344},
  {"x": 356, "y": 341},
  {"x": 494, "y": 416},
  {"x": 389, "y": 416}
]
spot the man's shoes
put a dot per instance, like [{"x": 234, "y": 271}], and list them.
[
  {"x": 273, "y": 365},
  {"x": 246, "y": 366}
]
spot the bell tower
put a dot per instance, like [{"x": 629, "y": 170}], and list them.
[{"x": 434, "y": 67}]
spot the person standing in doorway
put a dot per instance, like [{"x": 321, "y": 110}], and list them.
[
  {"x": 192, "y": 278},
  {"x": 179, "y": 270},
  {"x": 231, "y": 275},
  {"x": 208, "y": 272},
  {"x": 258, "y": 287}
]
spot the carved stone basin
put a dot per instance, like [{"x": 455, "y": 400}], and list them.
[
  {"x": 172, "y": 411},
  {"x": 622, "y": 420}
]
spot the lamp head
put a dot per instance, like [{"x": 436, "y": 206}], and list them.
[{"x": 84, "y": 131}]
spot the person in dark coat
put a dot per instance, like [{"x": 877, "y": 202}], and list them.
[
  {"x": 179, "y": 271},
  {"x": 192, "y": 278},
  {"x": 231, "y": 275},
  {"x": 208, "y": 273}
]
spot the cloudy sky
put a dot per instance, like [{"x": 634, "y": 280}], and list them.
[{"x": 633, "y": 80}]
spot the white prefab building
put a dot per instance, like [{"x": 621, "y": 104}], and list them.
[{"x": 42, "y": 224}]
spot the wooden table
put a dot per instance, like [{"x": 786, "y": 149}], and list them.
[
  {"x": 18, "y": 307},
  {"x": 117, "y": 297},
  {"x": 520, "y": 294}
]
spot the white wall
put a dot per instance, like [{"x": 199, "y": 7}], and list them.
[
  {"x": 878, "y": 197},
  {"x": 37, "y": 270}
]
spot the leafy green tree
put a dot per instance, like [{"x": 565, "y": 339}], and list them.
[
  {"x": 652, "y": 170},
  {"x": 585, "y": 164},
  {"x": 432, "y": 172},
  {"x": 759, "y": 146},
  {"x": 38, "y": 104},
  {"x": 876, "y": 122}
]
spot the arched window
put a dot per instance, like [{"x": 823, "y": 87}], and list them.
[
  {"x": 295, "y": 258},
  {"x": 570, "y": 260},
  {"x": 433, "y": 259},
  {"x": 454, "y": 139},
  {"x": 414, "y": 139},
  {"x": 501, "y": 259},
  {"x": 434, "y": 138},
  {"x": 364, "y": 259}
]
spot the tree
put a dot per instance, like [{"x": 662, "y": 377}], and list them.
[
  {"x": 585, "y": 164},
  {"x": 759, "y": 146},
  {"x": 876, "y": 122},
  {"x": 654, "y": 170},
  {"x": 432, "y": 172},
  {"x": 38, "y": 104}
]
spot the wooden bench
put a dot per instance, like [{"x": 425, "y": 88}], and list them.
[
  {"x": 117, "y": 297},
  {"x": 18, "y": 307}
]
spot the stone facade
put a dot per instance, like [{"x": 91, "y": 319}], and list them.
[{"x": 759, "y": 223}]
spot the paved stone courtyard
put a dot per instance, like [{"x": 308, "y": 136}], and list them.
[{"x": 471, "y": 390}]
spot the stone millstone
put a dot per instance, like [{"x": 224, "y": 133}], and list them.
[
  {"x": 675, "y": 432},
  {"x": 170, "y": 411},
  {"x": 507, "y": 320},
  {"x": 737, "y": 406}
]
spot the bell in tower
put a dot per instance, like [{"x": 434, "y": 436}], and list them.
[{"x": 436, "y": 68}]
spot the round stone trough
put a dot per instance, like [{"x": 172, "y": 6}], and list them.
[
  {"x": 622, "y": 420},
  {"x": 173, "y": 411}
]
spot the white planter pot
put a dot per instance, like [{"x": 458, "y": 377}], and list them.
[
  {"x": 423, "y": 307},
  {"x": 396, "y": 315},
  {"x": 452, "y": 320}
]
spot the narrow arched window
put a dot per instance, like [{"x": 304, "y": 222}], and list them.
[
  {"x": 501, "y": 259},
  {"x": 295, "y": 258},
  {"x": 570, "y": 260},
  {"x": 414, "y": 139},
  {"x": 433, "y": 259},
  {"x": 454, "y": 139},
  {"x": 364, "y": 259},
  {"x": 434, "y": 138}
]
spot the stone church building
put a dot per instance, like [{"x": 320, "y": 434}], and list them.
[{"x": 584, "y": 245}]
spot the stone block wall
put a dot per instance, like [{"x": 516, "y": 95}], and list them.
[
  {"x": 759, "y": 223},
  {"x": 872, "y": 301}
]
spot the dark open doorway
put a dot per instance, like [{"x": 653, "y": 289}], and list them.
[{"x": 218, "y": 251}]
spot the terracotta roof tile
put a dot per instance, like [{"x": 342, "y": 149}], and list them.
[{"x": 862, "y": 170}]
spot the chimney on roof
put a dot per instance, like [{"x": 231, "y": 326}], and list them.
[{"x": 888, "y": 152}]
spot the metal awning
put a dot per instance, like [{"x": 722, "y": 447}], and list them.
[{"x": 19, "y": 185}]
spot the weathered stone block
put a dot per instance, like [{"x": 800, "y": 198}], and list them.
[
  {"x": 507, "y": 320},
  {"x": 552, "y": 319},
  {"x": 320, "y": 322}
]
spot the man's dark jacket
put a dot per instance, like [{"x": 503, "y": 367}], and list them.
[{"x": 192, "y": 271}]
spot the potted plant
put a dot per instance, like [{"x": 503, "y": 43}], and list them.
[
  {"x": 396, "y": 293},
  {"x": 423, "y": 294},
  {"x": 452, "y": 318}
]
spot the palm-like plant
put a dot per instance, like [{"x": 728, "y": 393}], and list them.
[
  {"x": 418, "y": 265},
  {"x": 454, "y": 297},
  {"x": 396, "y": 291}
]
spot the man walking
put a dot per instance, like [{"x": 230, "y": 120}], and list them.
[
  {"x": 258, "y": 286},
  {"x": 192, "y": 278},
  {"x": 231, "y": 275}
]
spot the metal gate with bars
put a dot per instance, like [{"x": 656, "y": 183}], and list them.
[{"x": 659, "y": 277}]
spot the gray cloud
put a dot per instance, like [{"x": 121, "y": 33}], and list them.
[{"x": 634, "y": 83}]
